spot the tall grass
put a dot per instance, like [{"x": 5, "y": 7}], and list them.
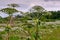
[{"x": 46, "y": 32}]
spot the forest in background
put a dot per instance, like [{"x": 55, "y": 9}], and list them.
[{"x": 55, "y": 15}]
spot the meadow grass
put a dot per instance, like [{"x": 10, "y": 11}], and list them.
[{"x": 46, "y": 32}]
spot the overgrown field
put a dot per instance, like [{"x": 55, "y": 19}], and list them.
[{"x": 45, "y": 32}]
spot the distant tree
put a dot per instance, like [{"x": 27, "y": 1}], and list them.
[{"x": 55, "y": 15}]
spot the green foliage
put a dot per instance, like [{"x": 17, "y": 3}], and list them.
[
  {"x": 9, "y": 10},
  {"x": 54, "y": 15},
  {"x": 14, "y": 37},
  {"x": 8, "y": 28},
  {"x": 1, "y": 36}
]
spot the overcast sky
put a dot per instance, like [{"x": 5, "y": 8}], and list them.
[{"x": 26, "y": 4}]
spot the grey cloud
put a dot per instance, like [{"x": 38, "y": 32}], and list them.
[
  {"x": 25, "y": 4},
  {"x": 51, "y": 0}
]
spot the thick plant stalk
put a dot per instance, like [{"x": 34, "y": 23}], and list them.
[
  {"x": 36, "y": 25},
  {"x": 7, "y": 36},
  {"x": 36, "y": 38},
  {"x": 7, "y": 29},
  {"x": 11, "y": 22}
]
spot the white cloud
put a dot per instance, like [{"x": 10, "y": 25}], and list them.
[
  {"x": 47, "y": 4},
  {"x": 3, "y": 15}
]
